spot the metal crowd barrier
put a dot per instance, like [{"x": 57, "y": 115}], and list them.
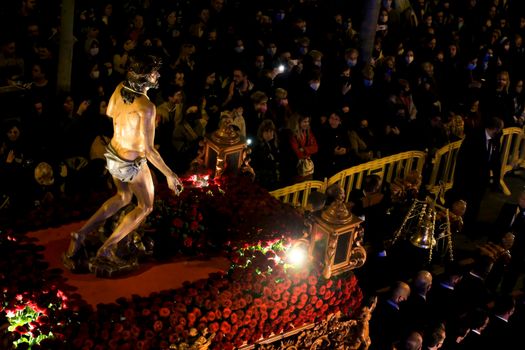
[{"x": 399, "y": 165}]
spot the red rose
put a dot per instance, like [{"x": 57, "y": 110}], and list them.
[
  {"x": 210, "y": 316},
  {"x": 227, "y": 303},
  {"x": 214, "y": 327},
  {"x": 118, "y": 328},
  {"x": 135, "y": 331},
  {"x": 322, "y": 290},
  {"x": 312, "y": 280},
  {"x": 188, "y": 242},
  {"x": 148, "y": 334},
  {"x": 157, "y": 326},
  {"x": 164, "y": 312},
  {"x": 267, "y": 292},
  {"x": 303, "y": 298},
  {"x": 304, "y": 287},
  {"x": 197, "y": 311},
  {"x": 191, "y": 318},
  {"x": 247, "y": 319},
  {"x": 276, "y": 295},
  {"x": 233, "y": 318},
  {"x": 312, "y": 290},
  {"x": 242, "y": 303},
  {"x": 257, "y": 302},
  {"x": 225, "y": 327},
  {"x": 273, "y": 314},
  {"x": 318, "y": 304},
  {"x": 177, "y": 222},
  {"x": 287, "y": 284},
  {"x": 324, "y": 308},
  {"x": 226, "y": 312},
  {"x": 248, "y": 298},
  {"x": 194, "y": 226}
]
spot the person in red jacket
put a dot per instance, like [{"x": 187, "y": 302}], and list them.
[{"x": 304, "y": 146}]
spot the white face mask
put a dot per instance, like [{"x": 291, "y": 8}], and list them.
[
  {"x": 93, "y": 51},
  {"x": 351, "y": 63},
  {"x": 315, "y": 85},
  {"x": 239, "y": 49}
]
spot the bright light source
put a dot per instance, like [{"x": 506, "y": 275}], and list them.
[
  {"x": 248, "y": 141},
  {"x": 280, "y": 68},
  {"x": 297, "y": 255}
]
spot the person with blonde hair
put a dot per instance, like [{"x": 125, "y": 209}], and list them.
[{"x": 304, "y": 145}]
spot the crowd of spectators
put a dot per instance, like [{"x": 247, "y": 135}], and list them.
[
  {"x": 438, "y": 69},
  {"x": 288, "y": 73}
]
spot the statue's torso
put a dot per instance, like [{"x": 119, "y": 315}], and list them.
[{"x": 129, "y": 121}]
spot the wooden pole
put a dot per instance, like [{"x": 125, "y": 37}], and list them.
[
  {"x": 65, "y": 53},
  {"x": 368, "y": 28}
]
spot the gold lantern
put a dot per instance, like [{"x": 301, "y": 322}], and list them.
[
  {"x": 337, "y": 235},
  {"x": 225, "y": 150}
]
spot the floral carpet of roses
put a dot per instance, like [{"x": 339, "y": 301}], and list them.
[{"x": 259, "y": 296}]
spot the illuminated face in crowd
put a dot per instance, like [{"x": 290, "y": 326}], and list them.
[
  {"x": 305, "y": 123},
  {"x": 334, "y": 121},
  {"x": 268, "y": 135},
  {"x": 13, "y": 134}
]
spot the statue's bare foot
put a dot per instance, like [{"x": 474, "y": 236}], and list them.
[{"x": 75, "y": 245}]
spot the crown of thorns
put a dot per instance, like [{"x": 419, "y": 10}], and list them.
[{"x": 141, "y": 67}]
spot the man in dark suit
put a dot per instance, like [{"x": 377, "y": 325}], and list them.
[
  {"x": 386, "y": 324},
  {"x": 474, "y": 340},
  {"x": 472, "y": 291},
  {"x": 511, "y": 218},
  {"x": 497, "y": 335},
  {"x": 478, "y": 165},
  {"x": 416, "y": 312},
  {"x": 443, "y": 298}
]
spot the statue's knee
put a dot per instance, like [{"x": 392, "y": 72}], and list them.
[
  {"x": 147, "y": 209},
  {"x": 125, "y": 197}
]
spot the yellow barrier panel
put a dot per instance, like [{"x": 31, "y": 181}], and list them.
[
  {"x": 441, "y": 176},
  {"x": 443, "y": 165},
  {"x": 511, "y": 146},
  {"x": 297, "y": 194},
  {"x": 388, "y": 168}
]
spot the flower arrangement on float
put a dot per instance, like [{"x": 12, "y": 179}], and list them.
[{"x": 262, "y": 294}]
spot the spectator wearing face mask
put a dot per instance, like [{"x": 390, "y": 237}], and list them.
[{"x": 312, "y": 97}]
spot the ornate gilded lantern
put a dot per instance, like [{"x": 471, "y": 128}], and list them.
[
  {"x": 337, "y": 237},
  {"x": 225, "y": 150}
]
